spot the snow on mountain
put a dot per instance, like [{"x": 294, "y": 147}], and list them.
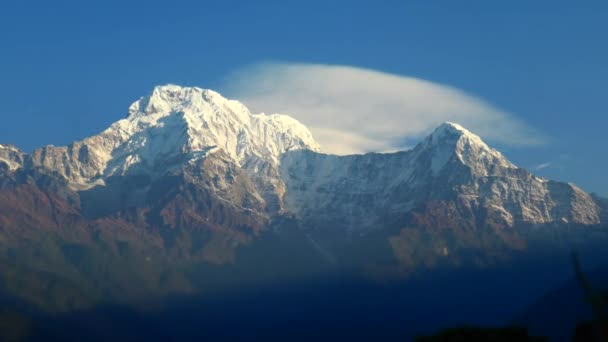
[
  {"x": 11, "y": 156},
  {"x": 450, "y": 138},
  {"x": 170, "y": 127},
  {"x": 175, "y": 128},
  {"x": 454, "y": 164},
  {"x": 351, "y": 192}
]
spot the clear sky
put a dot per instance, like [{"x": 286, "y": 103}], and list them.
[{"x": 69, "y": 69}]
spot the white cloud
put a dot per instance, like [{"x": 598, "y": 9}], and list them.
[
  {"x": 542, "y": 166},
  {"x": 355, "y": 110}
]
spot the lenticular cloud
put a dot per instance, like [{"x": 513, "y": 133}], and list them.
[{"x": 354, "y": 110}]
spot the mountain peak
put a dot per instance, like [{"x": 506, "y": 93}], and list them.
[
  {"x": 453, "y": 126},
  {"x": 210, "y": 119},
  {"x": 174, "y": 92},
  {"x": 451, "y": 139},
  {"x": 455, "y": 136},
  {"x": 171, "y": 98},
  {"x": 172, "y": 126},
  {"x": 450, "y": 130}
]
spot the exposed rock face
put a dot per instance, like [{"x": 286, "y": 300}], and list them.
[{"x": 11, "y": 158}]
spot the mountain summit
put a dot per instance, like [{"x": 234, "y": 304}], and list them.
[
  {"x": 172, "y": 126},
  {"x": 450, "y": 139},
  {"x": 452, "y": 164}
]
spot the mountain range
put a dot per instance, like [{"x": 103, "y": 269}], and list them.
[{"x": 192, "y": 192}]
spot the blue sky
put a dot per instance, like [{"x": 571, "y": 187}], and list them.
[{"x": 69, "y": 69}]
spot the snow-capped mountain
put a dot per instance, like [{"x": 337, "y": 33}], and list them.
[
  {"x": 189, "y": 177},
  {"x": 175, "y": 127},
  {"x": 172, "y": 126},
  {"x": 185, "y": 130},
  {"x": 451, "y": 164}
]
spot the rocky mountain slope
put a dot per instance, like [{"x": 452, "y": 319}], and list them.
[{"x": 189, "y": 177}]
